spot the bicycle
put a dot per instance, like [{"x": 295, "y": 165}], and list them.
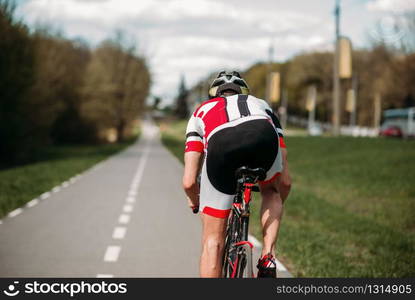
[{"x": 237, "y": 257}]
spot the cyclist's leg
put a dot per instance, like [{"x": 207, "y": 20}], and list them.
[
  {"x": 212, "y": 246},
  {"x": 215, "y": 207},
  {"x": 271, "y": 213},
  {"x": 272, "y": 205}
]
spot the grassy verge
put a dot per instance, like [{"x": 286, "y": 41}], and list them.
[
  {"x": 55, "y": 165},
  {"x": 351, "y": 211}
]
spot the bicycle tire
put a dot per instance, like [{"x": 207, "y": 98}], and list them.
[
  {"x": 232, "y": 237},
  {"x": 245, "y": 259}
]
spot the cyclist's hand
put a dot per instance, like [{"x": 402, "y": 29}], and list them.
[
  {"x": 195, "y": 209},
  {"x": 193, "y": 204}
]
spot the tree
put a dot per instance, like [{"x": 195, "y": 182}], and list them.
[
  {"x": 16, "y": 78},
  {"x": 181, "y": 109},
  {"x": 116, "y": 85}
]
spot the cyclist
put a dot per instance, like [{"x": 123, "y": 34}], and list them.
[{"x": 230, "y": 130}]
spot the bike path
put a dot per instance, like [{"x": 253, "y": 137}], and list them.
[
  {"x": 95, "y": 225},
  {"x": 125, "y": 217}
]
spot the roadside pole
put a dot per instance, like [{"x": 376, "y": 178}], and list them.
[
  {"x": 377, "y": 110},
  {"x": 311, "y": 105},
  {"x": 283, "y": 111},
  {"x": 336, "y": 79}
]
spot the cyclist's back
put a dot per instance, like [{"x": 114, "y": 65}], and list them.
[{"x": 231, "y": 130}]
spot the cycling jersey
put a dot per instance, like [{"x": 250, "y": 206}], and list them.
[
  {"x": 215, "y": 112},
  {"x": 234, "y": 131}
]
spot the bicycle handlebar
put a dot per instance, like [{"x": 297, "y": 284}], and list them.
[{"x": 195, "y": 209}]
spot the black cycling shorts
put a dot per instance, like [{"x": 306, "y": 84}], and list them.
[{"x": 251, "y": 142}]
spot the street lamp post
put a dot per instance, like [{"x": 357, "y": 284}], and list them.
[{"x": 336, "y": 79}]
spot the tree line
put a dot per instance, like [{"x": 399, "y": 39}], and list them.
[
  {"x": 383, "y": 69},
  {"x": 59, "y": 91}
]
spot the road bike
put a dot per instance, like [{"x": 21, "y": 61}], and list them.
[{"x": 237, "y": 256}]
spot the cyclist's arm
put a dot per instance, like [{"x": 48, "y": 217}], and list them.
[
  {"x": 192, "y": 159},
  {"x": 191, "y": 170},
  {"x": 284, "y": 184},
  {"x": 277, "y": 125}
]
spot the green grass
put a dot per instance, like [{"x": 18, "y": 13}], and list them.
[
  {"x": 351, "y": 211},
  {"x": 20, "y": 184}
]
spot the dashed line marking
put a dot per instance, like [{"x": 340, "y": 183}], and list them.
[
  {"x": 128, "y": 208},
  {"x": 130, "y": 199},
  {"x": 112, "y": 253},
  {"x": 119, "y": 233},
  {"x": 105, "y": 276},
  {"x": 45, "y": 196},
  {"x": 15, "y": 212},
  {"x": 124, "y": 219},
  {"x": 32, "y": 203},
  {"x": 132, "y": 193}
]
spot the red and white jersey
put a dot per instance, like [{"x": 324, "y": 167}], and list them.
[{"x": 214, "y": 114}]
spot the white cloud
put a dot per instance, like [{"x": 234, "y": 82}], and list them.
[
  {"x": 391, "y": 5},
  {"x": 194, "y": 37}
]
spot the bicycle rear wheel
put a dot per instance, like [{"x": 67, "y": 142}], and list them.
[
  {"x": 230, "y": 254},
  {"x": 245, "y": 252},
  {"x": 237, "y": 262}
]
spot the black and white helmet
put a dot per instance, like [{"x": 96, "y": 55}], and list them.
[{"x": 228, "y": 81}]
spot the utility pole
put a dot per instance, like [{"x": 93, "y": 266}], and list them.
[
  {"x": 336, "y": 79},
  {"x": 268, "y": 83},
  {"x": 355, "y": 87}
]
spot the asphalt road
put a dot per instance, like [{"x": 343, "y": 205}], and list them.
[{"x": 125, "y": 217}]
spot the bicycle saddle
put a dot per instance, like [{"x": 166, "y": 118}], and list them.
[{"x": 255, "y": 173}]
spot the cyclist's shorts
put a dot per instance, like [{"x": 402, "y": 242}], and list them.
[{"x": 244, "y": 142}]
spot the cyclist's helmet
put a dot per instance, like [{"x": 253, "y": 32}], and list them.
[{"x": 226, "y": 81}]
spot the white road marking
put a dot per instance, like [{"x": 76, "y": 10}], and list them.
[
  {"x": 15, "y": 212},
  {"x": 32, "y": 203},
  {"x": 124, "y": 219},
  {"x": 1, "y": 222},
  {"x": 105, "y": 276},
  {"x": 45, "y": 196},
  {"x": 130, "y": 199},
  {"x": 119, "y": 233},
  {"x": 280, "y": 266},
  {"x": 254, "y": 241},
  {"x": 56, "y": 189},
  {"x": 140, "y": 170},
  {"x": 128, "y": 208},
  {"x": 112, "y": 253},
  {"x": 132, "y": 193}
]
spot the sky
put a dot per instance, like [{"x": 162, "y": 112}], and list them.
[{"x": 196, "y": 37}]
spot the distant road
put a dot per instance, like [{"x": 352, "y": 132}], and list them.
[{"x": 126, "y": 217}]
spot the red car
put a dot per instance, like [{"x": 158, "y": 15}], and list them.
[{"x": 393, "y": 131}]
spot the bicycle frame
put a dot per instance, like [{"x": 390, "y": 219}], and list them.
[{"x": 238, "y": 250}]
